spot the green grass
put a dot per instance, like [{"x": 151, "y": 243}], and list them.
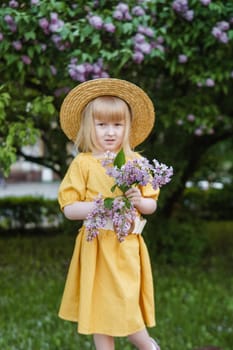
[{"x": 194, "y": 304}]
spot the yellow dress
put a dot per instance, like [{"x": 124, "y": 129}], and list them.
[{"x": 109, "y": 286}]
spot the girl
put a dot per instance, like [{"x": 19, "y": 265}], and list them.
[{"x": 109, "y": 287}]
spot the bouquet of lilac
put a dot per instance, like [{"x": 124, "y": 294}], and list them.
[{"x": 120, "y": 210}]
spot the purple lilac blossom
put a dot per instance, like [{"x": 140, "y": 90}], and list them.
[
  {"x": 189, "y": 15},
  {"x": 26, "y": 59},
  {"x": 190, "y": 117},
  {"x": 96, "y": 22},
  {"x": 11, "y": 23},
  {"x": 13, "y": 4},
  {"x": 138, "y": 11},
  {"x": 219, "y": 31},
  {"x": 209, "y": 82},
  {"x": 161, "y": 174},
  {"x": 84, "y": 71},
  {"x": 96, "y": 219},
  {"x": 146, "y": 30},
  {"x": 205, "y": 2},
  {"x": 121, "y": 12},
  {"x": 121, "y": 211},
  {"x": 198, "y": 132},
  {"x": 1, "y": 37},
  {"x": 182, "y": 58},
  {"x": 17, "y": 45},
  {"x": 138, "y": 57},
  {"x": 35, "y": 2},
  {"x": 109, "y": 27},
  {"x": 55, "y": 23},
  {"x": 181, "y": 7},
  {"x": 44, "y": 24}
]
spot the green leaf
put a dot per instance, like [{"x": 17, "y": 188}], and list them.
[
  {"x": 108, "y": 202},
  {"x": 113, "y": 188},
  {"x": 120, "y": 159}
]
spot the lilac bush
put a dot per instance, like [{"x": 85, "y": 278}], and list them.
[{"x": 179, "y": 51}]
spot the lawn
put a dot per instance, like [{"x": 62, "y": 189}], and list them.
[{"x": 194, "y": 304}]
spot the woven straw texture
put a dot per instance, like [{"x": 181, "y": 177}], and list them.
[{"x": 143, "y": 114}]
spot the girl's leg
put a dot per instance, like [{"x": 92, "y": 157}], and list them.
[
  {"x": 142, "y": 341},
  {"x": 103, "y": 342}
]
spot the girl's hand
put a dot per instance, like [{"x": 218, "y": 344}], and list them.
[
  {"x": 134, "y": 195},
  {"x": 142, "y": 204}
]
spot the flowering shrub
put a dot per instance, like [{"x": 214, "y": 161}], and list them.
[
  {"x": 180, "y": 52},
  {"x": 126, "y": 174}
]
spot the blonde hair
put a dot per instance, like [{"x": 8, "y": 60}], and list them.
[{"x": 107, "y": 109}]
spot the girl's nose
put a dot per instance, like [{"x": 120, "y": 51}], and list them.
[{"x": 110, "y": 130}]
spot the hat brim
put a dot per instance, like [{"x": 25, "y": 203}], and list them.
[{"x": 142, "y": 109}]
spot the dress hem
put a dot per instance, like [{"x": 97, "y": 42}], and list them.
[{"x": 106, "y": 332}]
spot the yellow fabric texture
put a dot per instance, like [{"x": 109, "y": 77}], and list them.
[{"x": 109, "y": 286}]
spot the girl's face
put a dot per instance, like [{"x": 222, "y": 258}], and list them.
[{"x": 109, "y": 135}]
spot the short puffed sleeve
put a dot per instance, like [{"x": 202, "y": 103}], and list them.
[
  {"x": 73, "y": 185},
  {"x": 149, "y": 192}
]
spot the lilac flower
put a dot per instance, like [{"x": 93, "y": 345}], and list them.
[
  {"x": 138, "y": 171},
  {"x": 35, "y": 2},
  {"x": 146, "y": 30},
  {"x": 9, "y": 19},
  {"x": 123, "y": 215},
  {"x": 209, "y": 82},
  {"x": 223, "y": 25},
  {"x": 55, "y": 23},
  {"x": 17, "y": 45},
  {"x": 1, "y": 36},
  {"x": 189, "y": 15},
  {"x": 216, "y": 32},
  {"x": 138, "y": 11},
  {"x": 96, "y": 219},
  {"x": 181, "y": 7},
  {"x": 26, "y": 59},
  {"x": 219, "y": 31},
  {"x": 182, "y": 58},
  {"x": 139, "y": 38},
  {"x": 13, "y": 4},
  {"x": 161, "y": 174},
  {"x": 138, "y": 57},
  {"x": 44, "y": 24},
  {"x": 223, "y": 38},
  {"x": 190, "y": 117},
  {"x": 205, "y": 2},
  {"x": 198, "y": 132},
  {"x": 96, "y": 22},
  {"x": 120, "y": 210},
  {"x": 145, "y": 47},
  {"x": 118, "y": 15},
  {"x": 124, "y": 8},
  {"x": 84, "y": 71},
  {"x": 121, "y": 12},
  {"x": 109, "y": 27}
]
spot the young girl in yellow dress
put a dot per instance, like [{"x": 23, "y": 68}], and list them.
[{"x": 109, "y": 287}]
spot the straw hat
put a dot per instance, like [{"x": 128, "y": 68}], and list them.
[{"x": 143, "y": 114}]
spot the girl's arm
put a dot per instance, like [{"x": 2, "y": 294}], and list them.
[
  {"x": 143, "y": 205},
  {"x": 78, "y": 210}
]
